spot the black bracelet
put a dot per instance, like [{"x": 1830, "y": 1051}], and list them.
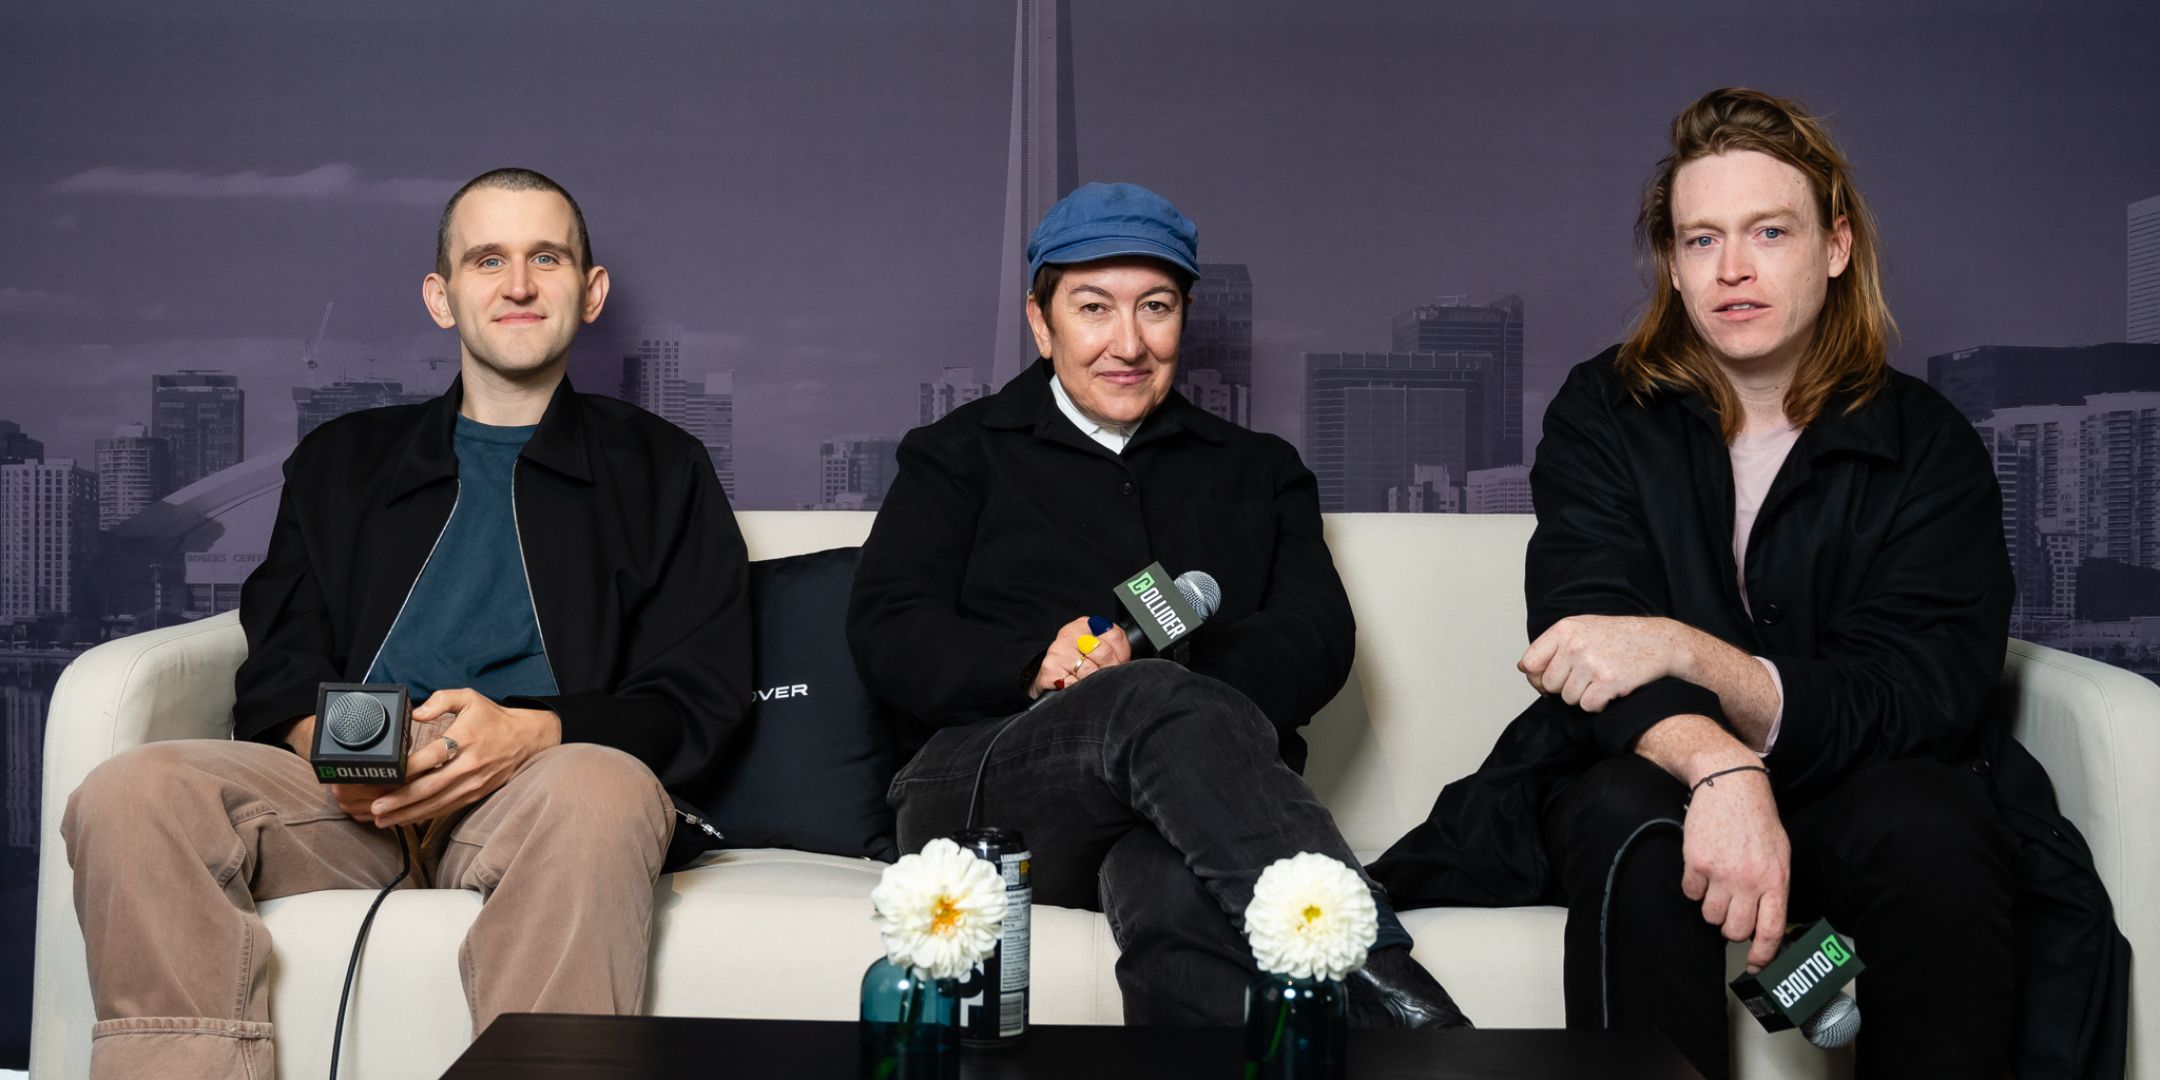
[{"x": 1708, "y": 781}]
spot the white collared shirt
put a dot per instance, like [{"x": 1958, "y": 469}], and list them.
[{"x": 1113, "y": 436}]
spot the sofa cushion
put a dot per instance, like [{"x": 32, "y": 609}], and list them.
[{"x": 811, "y": 770}]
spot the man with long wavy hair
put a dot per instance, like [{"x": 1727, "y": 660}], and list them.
[{"x": 1767, "y": 593}]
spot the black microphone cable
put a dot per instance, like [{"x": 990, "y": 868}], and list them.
[
  {"x": 1604, "y": 919},
  {"x": 1199, "y": 589},
  {"x": 975, "y": 795},
  {"x": 1832, "y": 1017},
  {"x": 352, "y": 967}
]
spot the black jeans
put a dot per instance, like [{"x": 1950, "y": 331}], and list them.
[
  {"x": 1153, "y": 795},
  {"x": 1907, "y": 857}
]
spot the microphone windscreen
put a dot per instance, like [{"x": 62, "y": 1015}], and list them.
[
  {"x": 356, "y": 721},
  {"x": 1200, "y": 590},
  {"x": 1836, "y": 1025}
]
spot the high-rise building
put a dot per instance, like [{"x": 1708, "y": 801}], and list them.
[
  {"x": 2048, "y": 473},
  {"x": 22, "y": 711},
  {"x": 134, "y": 469},
  {"x": 203, "y": 414},
  {"x": 709, "y": 416},
  {"x": 855, "y": 471},
  {"x": 955, "y": 386},
  {"x": 16, "y": 446},
  {"x": 2079, "y": 482},
  {"x": 2121, "y": 436},
  {"x": 1982, "y": 380},
  {"x": 2057, "y": 591},
  {"x": 1505, "y": 490},
  {"x": 1372, "y": 418},
  {"x": 318, "y": 405},
  {"x": 1042, "y": 164},
  {"x": 48, "y": 531},
  {"x": 1212, "y": 391},
  {"x": 1218, "y": 338},
  {"x": 2018, "y": 474},
  {"x": 1430, "y": 491},
  {"x": 1454, "y": 325},
  {"x": 2144, "y": 321},
  {"x": 652, "y": 374}
]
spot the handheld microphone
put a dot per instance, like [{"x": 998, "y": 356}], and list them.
[
  {"x": 1200, "y": 589},
  {"x": 1801, "y": 988},
  {"x": 1168, "y": 616},
  {"x": 1200, "y": 596},
  {"x": 360, "y": 731},
  {"x": 360, "y": 734}
]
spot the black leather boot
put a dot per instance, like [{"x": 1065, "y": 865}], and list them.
[{"x": 1394, "y": 991}]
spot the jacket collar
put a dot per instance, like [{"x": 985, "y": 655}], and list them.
[
  {"x": 1872, "y": 430},
  {"x": 430, "y": 454},
  {"x": 1026, "y": 404}
]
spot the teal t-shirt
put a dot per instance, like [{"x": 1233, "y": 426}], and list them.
[{"x": 469, "y": 620}]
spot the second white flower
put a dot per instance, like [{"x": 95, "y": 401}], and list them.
[{"x": 1311, "y": 917}]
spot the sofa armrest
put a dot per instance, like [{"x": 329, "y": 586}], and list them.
[
  {"x": 2097, "y": 730},
  {"x": 173, "y": 683}
]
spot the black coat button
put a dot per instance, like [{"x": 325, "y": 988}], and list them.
[
  {"x": 1772, "y": 614},
  {"x": 1125, "y": 488}
]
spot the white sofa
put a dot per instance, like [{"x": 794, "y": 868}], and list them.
[{"x": 784, "y": 934}]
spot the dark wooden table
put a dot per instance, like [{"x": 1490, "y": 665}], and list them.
[{"x": 537, "y": 1046}]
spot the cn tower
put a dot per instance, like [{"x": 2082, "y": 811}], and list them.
[{"x": 1041, "y": 163}]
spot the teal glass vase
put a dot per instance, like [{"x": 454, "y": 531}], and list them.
[
  {"x": 1296, "y": 1029},
  {"x": 910, "y": 1026}
]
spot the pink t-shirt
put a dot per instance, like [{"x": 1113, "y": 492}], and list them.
[{"x": 1756, "y": 459}]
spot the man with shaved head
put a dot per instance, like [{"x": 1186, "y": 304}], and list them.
[{"x": 484, "y": 549}]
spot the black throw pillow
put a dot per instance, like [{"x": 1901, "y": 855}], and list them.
[{"x": 811, "y": 771}]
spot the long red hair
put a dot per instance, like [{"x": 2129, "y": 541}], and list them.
[{"x": 1850, "y": 351}]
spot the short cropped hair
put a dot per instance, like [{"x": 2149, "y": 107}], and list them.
[
  {"x": 511, "y": 179},
  {"x": 1850, "y": 351}
]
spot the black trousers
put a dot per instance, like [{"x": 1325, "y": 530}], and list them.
[
  {"x": 1907, "y": 857},
  {"x": 1153, "y": 795}
]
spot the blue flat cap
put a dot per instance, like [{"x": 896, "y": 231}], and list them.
[{"x": 1098, "y": 221}]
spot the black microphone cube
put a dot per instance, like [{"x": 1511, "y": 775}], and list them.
[
  {"x": 360, "y": 731},
  {"x": 1810, "y": 970}
]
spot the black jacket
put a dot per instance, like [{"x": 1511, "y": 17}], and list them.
[
  {"x": 1881, "y": 588},
  {"x": 1877, "y": 572},
  {"x": 637, "y": 571},
  {"x": 1006, "y": 522}
]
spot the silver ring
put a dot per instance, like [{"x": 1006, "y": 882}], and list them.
[{"x": 452, "y": 745}]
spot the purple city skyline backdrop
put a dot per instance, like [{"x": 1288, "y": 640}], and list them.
[{"x": 815, "y": 198}]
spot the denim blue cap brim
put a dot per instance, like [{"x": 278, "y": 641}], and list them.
[
  {"x": 1104, "y": 221},
  {"x": 1109, "y": 247}
]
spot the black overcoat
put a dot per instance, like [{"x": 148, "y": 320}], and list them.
[
  {"x": 1877, "y": 576},
  {"x": 1006, "y": 522}
]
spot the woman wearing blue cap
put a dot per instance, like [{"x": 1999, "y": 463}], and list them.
[{"x": 980, "y": 613}]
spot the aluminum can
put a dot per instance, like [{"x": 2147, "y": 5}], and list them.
[{"x": 994, "y": 1000}]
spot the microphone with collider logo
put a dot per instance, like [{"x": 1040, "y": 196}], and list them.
[
  {"x": 1801, "y": 988},
  {"x": 360, "y": 733},
  {"x": 1168, "y": 610}
]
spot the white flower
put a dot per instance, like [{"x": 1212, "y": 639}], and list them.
[
  {"x": 1311, "y": 917},
  {"x": 940, "y": 911}
]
